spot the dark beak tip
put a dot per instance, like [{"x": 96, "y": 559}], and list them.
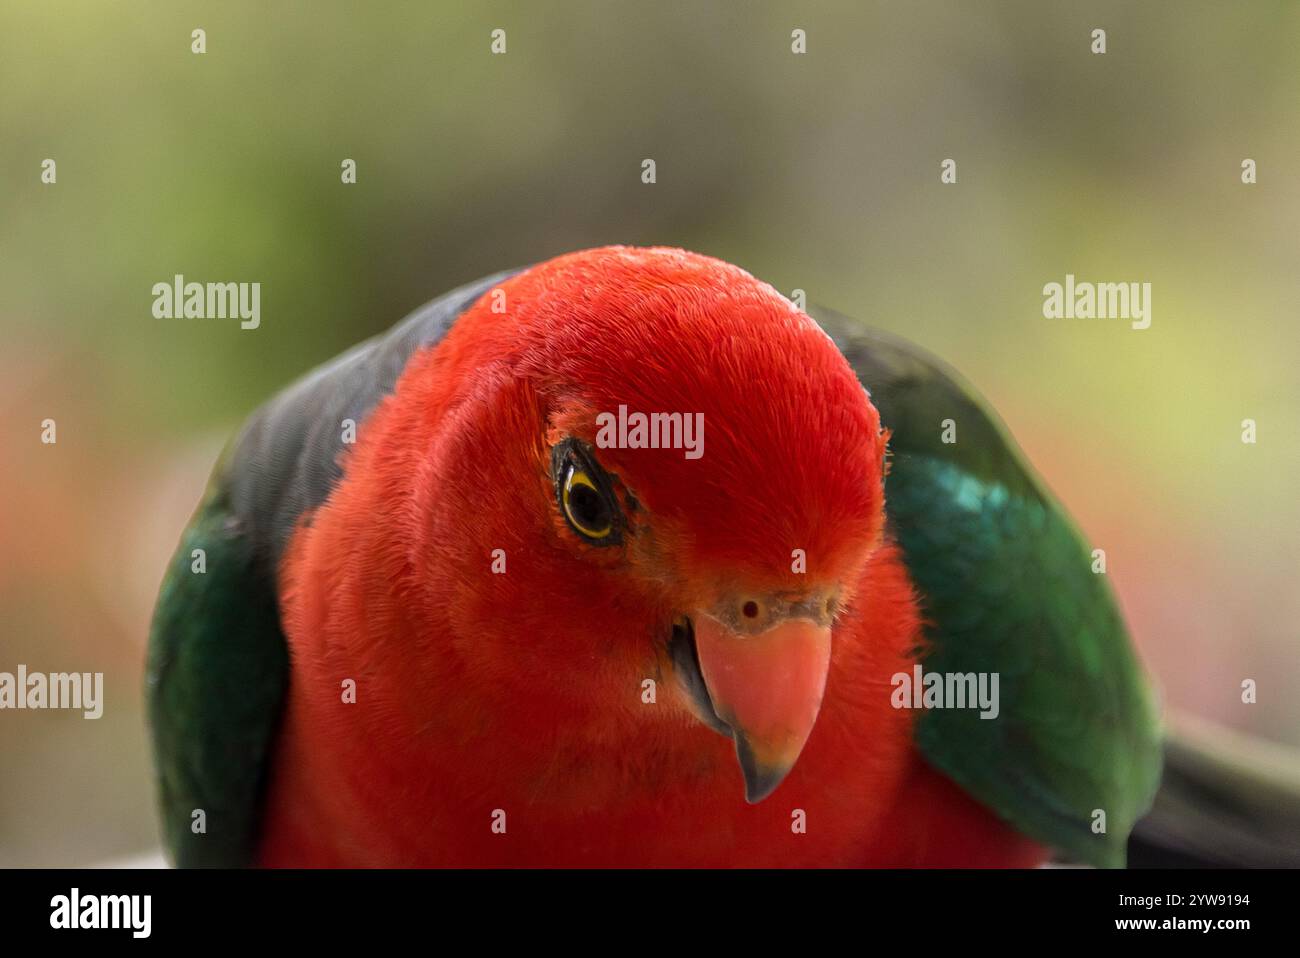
[
  {"x": 760, "y": 780},
  {"x": 760, "y": 787},
  {"x": 755, "y": 794}
]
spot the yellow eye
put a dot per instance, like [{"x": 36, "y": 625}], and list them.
[{"x": 585, "y": 505}]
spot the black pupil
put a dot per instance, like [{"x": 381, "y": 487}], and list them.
[{"x": 588, "y": 508}]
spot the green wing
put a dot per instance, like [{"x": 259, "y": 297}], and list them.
[
  {"x": 218, "y": 661},
  {"x": 1006, "y": 586},
  {"x": 217, "y": 670}
]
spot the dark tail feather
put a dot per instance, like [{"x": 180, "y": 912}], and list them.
[{"x": 1227, "y": 800}]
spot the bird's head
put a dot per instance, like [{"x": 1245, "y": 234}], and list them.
[{"x": 681, "y": 478}]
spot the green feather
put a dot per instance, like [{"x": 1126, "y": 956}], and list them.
[
  {"x": 216, "y": 679},
  {"x": 1006, "y": 585},
  {"x": 218, "y": 661}
]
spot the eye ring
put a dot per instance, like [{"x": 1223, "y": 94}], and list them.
[
  {"x": 584, "y": 506},
  {"x": 585, "y": 495}
]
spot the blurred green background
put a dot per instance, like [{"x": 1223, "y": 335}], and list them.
[{"x": 818, "y": 171}]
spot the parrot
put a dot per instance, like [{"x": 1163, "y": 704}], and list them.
[{"x": 624, "y": 559}]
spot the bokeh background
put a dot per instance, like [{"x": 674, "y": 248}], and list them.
[{"x": 817, "y": 171}]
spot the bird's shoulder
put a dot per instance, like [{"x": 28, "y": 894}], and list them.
[{"x": 1070, "y": 752}]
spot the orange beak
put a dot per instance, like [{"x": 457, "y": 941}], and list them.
[{"x": 768, "y": 689}]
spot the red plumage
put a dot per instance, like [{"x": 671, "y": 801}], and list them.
[{"x": 522, "y": 692}]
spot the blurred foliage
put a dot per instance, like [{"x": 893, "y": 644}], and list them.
[{"x": 818, "y": 171}]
